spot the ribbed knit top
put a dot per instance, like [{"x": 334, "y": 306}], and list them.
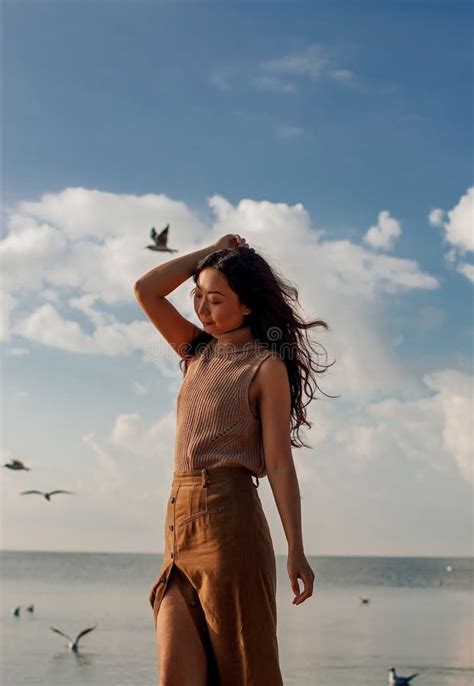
[{"x": 216, "y": 425}]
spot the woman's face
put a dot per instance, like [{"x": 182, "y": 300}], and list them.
[{"x": 216, "y": 304}]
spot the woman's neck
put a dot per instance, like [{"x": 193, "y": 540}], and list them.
[{"x": 235, "y": 339}]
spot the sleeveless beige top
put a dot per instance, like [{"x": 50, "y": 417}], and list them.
[{"x": 216, "y": 425}]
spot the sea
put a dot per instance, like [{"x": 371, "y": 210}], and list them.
[{"x": 419, "y": 618}]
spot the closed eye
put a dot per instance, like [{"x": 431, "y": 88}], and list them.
[{"x": 211, "y": 302}]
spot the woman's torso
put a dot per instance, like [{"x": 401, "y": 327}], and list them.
[{"x": 218, "y": 421}]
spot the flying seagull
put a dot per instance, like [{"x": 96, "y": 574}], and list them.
[
  {"x": 47, "y": 494},
  {"x": 160, "y": 240},
  {"x": 395, "y": 680},
  {"x": 16, "y": 464},
  {"x": 74, "y": 644}
]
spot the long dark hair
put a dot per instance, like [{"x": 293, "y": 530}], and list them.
[{"x": 274, "y": 322}]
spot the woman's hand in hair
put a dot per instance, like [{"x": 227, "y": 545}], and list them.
[{"x": 230, "y": 241}]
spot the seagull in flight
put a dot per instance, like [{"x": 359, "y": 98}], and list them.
[
  {"x": 47, "y": 494},
  {"x": 16, "y": 464},
  {"x": 160, "y": 240},
  {"x": 74, "y": 644},
  {"x": 395, "y": 680}
]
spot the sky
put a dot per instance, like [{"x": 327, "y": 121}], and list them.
[{"x": 336, "y": 137}]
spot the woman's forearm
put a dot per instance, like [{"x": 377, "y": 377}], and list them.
[
  {"x": 166, "y": 277},
  {"x": 284, "y": 483}
]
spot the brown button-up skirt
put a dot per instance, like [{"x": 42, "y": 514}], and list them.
[{"x": 219, "y": 550}]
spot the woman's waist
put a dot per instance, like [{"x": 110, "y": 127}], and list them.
[{"x": 214, "y": 475}]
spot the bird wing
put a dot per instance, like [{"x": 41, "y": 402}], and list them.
[
  {"x": 411, "y": 677},
  {"x": 84, "y": 632},
  {"x": 59, "y": 491},
  {"x": 58, "y": 631},
  {"x": 163, "y": 236},
  {"x": 153, "y": 233},
  {"x": 26, "y": 492},
  {"x": 16, "y": 461}
]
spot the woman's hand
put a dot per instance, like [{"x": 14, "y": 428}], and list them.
[
  {"x": 230, "y": 241},
  {"x": 298, "y": 568}
]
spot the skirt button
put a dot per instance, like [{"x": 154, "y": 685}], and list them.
[
  {"x": 172, "y": 554},
  {"x": 171, "y": 527},
  {"x": 173, "y": 499}
]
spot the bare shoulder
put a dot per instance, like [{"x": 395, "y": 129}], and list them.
[{"x": 272, "y": 375}]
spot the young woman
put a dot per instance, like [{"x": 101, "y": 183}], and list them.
[{"x": 214, "y": 601}]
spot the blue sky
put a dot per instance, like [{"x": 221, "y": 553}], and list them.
[{"x": 337, "y": 138}]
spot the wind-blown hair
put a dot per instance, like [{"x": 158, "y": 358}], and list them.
[{"x": 274, "y": 321}]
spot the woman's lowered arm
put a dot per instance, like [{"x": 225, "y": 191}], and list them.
[{"x": 275, "y": 413}]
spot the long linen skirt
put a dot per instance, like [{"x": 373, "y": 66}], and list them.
[{"x": 219, "y": 550}]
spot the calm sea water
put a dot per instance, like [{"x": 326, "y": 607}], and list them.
[{"x": 419, "y": 619}]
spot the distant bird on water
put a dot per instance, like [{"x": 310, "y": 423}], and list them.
[
  {"x": 47, "y": 494},
  {"x": 16, "y": 464},
  {"x": 364, "y": 601},
  {"x": 16, "y": 611},
  {"x": 31, "y": 608},
  {"x": 395, "y": 680},
  {"x": 74, "y": 644},
  {"x": 160, "y": 240}
]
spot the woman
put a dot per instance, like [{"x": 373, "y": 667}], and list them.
[{"x": 214, "y": 601}]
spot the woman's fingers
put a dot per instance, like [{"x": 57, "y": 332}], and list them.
[{"x": 308, "y": 584}]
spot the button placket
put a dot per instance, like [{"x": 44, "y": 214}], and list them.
[{"x": 171, "y": 527}]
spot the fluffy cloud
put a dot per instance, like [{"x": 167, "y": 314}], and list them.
[
  {"x": 82, "y": 250},
  {"x": 385, "y": 233},
  {"x": 458, "y": 228}
]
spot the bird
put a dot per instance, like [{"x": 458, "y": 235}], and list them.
[
  {"x": 160, "y": 240},
  {"x": 16, "y": 464},
  {"x": 30, "y": 608},
  {"x": 364, "y": 601},
  {"x": 74, "y": 644},
  {"x": 47, "y": 494},
  {"x": 16, "y": 611},
  {"x": 395, "y": 680}
]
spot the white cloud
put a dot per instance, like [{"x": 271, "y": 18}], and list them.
[
  {"x": 466, "y": 269},
  {"x": 108, "y": 478},
  {"x": 455, "y": 398},
  {"x": 272, "y": 83},
  {"x": 458, "y": 232},
  {"x": 459, "y": 227},
  {"x": 340, "y": 281},
  {"x": 7, "y": 305},
  {"x": 313, "y": 62},
  {"x": 436, "y": 217},
  {"x": 310, "y": 62},
  {"x": 433, "y": 430},
  {"x": 385, "y": 233},
  {"x": 131, "y": 434},
  {"x": 45, "y": 325}
]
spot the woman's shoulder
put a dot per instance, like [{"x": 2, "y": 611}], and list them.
[{"x": 199, "y": 345}]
